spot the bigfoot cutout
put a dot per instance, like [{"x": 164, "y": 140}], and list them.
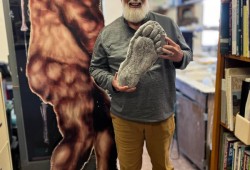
[{"x": 63, "y": 33}]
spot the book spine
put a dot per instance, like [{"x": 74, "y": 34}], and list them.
[
  {"x": 230, "y": 27},
  {"x": 222, "y": 150},
  {"x": 224, "y": 28},
  {"x": 244, "y": 94},
  {"x": 230, "y": 156},
  {"x": 234, "y": 26},
  {"x": 239, "y": 159},
  {"x": 248, "y": 162},
  {"x": 239, "y": 28},
  {"x": 223, "y": 103},
  {"x": 225, "y": 154},
  {"x": 229, "y": 101},
  {"x": 246, "y": 159},
  {"x": 245, "y": 28},
  {"x": 235, "y": 155},
  {"x": 244, "y": 162}
]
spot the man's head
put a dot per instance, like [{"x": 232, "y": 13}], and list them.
[{"x": 135, "y": 10}]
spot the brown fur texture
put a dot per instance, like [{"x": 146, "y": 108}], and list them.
[{"x": 63, "y": 33}]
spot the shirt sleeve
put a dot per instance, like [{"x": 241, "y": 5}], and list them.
[{"x": 99, "y": 66}]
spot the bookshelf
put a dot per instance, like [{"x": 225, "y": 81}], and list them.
[
  {"x": 223, "y": 61},
  {"x": 218, "y": 127},
  {"x": 5, "y": 151}
]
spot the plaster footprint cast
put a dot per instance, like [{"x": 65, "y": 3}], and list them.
[{"x": 143, "y": 51}]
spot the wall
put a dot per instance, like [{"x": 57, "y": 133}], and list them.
[
  {"x": 197, "y": 35},
  {"x": 112, "y": 9}
]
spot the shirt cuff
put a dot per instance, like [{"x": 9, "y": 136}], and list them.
[{"x": 111, "y": 89}]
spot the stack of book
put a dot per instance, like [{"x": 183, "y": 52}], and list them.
[
  {"x": 234, "y": 30},
  {"x": 234, "y": 154},
  {"x": 234, "y": 95}
]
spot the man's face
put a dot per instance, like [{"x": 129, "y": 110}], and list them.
[{"x": 135, "y": 10}]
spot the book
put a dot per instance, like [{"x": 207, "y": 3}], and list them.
[
  {"x": 245, "y": 20},
  {"x": 230, "y": 27},
  {"x": 230, "y": 155},
  {"x": 222, "y": 147},
  {"x": 234, "y": 27},
  {"x": 228, "y": 150},
  {"x": 242, "y": 150},
  {"x": 240, "y": 155},
  {"x": 247, "y": 108},
  {"x": 246, "y": 159},
  {"x": 239, "y": 22},
  {"x": 223, "y": 102},
  {"x": 244, "y": 94},
  {"x": 225, "y": 39},
  {"x": 236, "y": 146},
  {"x": 234, "y": 78},
  {"x": 239, "y": 159}
]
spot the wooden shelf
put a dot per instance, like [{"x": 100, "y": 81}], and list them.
[
  {"x": 240, "y": 58},
  {"x": 185, "y": 3},
  {"x": 222, "y": 63},
  {"x": 225, "y": 127}
]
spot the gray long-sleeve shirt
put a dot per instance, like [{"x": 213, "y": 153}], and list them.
[{"x": 155, "y": 95}]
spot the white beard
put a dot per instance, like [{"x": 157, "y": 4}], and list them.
[{"x": 135, "y": 15}]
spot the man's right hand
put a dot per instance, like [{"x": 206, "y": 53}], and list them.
[{"x": 119, "y": 88}]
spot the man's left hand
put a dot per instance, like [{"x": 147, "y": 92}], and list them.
[{"x": 171, "y": 51}]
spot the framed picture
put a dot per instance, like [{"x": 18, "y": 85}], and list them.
[
  {"x": 189, "y": 1},
  {"x": 186, "y": 15}
]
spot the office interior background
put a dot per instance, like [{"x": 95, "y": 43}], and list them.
[{"x": 199, "y": 22}]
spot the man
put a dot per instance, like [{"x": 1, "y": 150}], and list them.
[{"x": 145, "y": 112}]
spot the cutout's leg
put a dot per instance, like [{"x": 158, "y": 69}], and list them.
[
  {"x": 61, "y": 85},
  {"x": 105, "y": 150},
  {"x": 75, "y": 122},
  {"x": 70, "y": 155}
]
